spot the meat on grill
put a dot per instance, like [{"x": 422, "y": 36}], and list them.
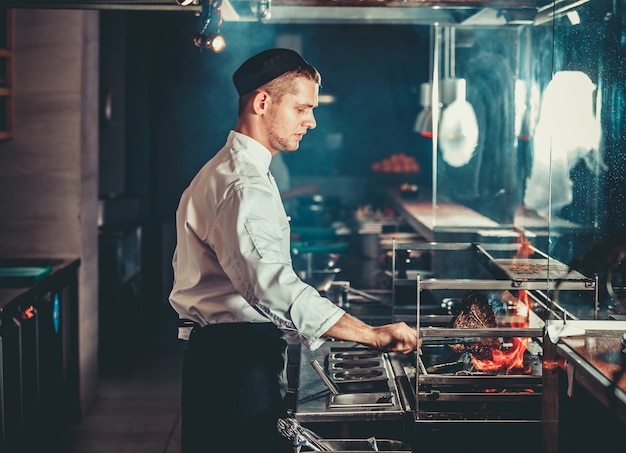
[{"x": 475, "y": 312}]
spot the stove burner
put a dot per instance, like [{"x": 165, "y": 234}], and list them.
[
  {"x": 357, "y": 364},
  {"x": 355, "y": 375},
  {"x": 355, "y": 355}
]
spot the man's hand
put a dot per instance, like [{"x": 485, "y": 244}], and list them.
[{"x": 398, "y": 337}]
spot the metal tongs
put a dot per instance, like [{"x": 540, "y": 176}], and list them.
[{"x": 291, "y": 429}]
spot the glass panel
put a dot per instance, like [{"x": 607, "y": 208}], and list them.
[
  {"x": 527, "y": 142},
  {"x": 587, "y": 147}
]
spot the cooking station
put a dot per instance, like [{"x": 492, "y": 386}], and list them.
[
  {"x": 586, "y": 384},
  {"x": 481, "y": 365},
  {"x": 346, "y": 382}
]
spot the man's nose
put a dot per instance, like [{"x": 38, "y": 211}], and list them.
[{"x": 310, "y": 122}]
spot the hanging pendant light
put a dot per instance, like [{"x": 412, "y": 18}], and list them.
[
  {"x": 458, "y": 129},
  {"x": 215, "y": 42},
  {"x": 424, "y": 121}
]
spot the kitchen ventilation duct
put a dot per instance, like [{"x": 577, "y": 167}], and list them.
[{"x": 419, "y": 12}]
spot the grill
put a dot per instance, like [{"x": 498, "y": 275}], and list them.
[
  {"x": 447, "y": 382},
  {"x": 473, "y": 387},
  {"x": 449, "y": 385}
]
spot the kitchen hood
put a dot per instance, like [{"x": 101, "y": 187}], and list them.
[
  {"x": 389, "y": 11},
  {"x": 420, "y": 12}
]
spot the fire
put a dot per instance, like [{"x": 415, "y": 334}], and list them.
[
  {"x": 520, "y": 260},
  {"x": 513, "y": 357},
  {"x": 525, "y": 249}
]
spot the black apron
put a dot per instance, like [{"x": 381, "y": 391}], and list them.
[{"x": 234, "y": 389}]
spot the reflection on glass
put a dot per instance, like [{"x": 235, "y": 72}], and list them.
[
  {"x": 550, "y": 154},
  {"x": 458, "y": 130},
  {"x": 567, "y": 132}
]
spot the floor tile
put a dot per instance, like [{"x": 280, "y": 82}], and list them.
[{"x": 138, "y": 405}]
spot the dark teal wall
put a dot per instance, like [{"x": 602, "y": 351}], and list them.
[{"x": 374, "y": 71}]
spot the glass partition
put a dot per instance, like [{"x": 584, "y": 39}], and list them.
[{"x": 528, "y": 142}]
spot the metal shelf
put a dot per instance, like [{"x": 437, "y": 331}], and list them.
[{"x": 537, "y": 284}]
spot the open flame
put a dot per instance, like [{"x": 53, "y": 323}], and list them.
[
  {"x": 513, "y": 357},
  {"x": 520, "y": 261}
]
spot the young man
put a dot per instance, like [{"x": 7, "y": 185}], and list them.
[{"x": 233, "y": 276}]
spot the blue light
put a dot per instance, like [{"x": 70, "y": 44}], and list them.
[{"x": 56, "y": 313}]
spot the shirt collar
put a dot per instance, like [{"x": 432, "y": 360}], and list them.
[{"x": 257, "y": 152}]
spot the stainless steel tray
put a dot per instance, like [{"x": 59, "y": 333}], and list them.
[{"x": 358, "y": 400}]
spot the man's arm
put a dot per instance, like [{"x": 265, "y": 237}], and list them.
[{"x": 397, "y": 337}]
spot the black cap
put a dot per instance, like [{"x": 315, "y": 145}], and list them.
[{"x": 264, "y": 67}]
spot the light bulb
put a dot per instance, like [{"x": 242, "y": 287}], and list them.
[{"x": 216, "y": 43}]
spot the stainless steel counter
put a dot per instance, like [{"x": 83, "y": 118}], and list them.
[
  {"x": 595, "y": 358},
  {"x": 584, "y": 387},
  {"x": 59, "y": 266},
  {"x": 315, "y": 403},
  {"x": 447, "y": 219}
]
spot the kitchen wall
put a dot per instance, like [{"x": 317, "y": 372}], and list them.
[{"x": 48, "y": 171}]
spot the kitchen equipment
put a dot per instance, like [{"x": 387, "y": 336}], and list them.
[
  {"x": 320, "y": 279},
  {"x": 318, "y": 210},
  {"x": 368, "y": 445},
  {"x": 358, "y": 370},
  {"x": 22, "y": 276},
  {"x": 360, "y": 400},
  {"x": 290, "y": 428},
  {"x": 302, "y": 437},
  {"x": 329, "y": 383},
  {"x": 317, "y": 264},
  {"x": 313, "y": 234},
  {"x": 505, "y": 388}
]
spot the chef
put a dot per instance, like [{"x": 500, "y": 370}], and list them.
[{"x": 233, "y": 277}]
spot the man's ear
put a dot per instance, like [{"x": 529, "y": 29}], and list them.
[{"x": 260, "y": 102}]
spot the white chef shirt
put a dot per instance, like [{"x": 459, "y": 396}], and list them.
[{"x": 232, "y": 261}]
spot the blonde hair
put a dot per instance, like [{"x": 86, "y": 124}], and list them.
[{"x": 283, "y": 84}]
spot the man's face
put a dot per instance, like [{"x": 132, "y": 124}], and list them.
[{"x": 289, "y": 119}]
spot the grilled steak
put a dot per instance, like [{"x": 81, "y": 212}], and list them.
[{"x": 475, "y": 312}]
